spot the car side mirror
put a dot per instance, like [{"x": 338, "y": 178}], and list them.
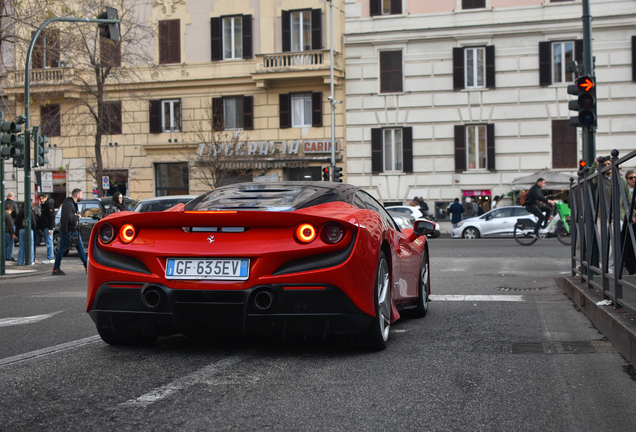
[
  {"x": 95, "y": 216},
  {"x": 488, "y": 217},
  {"x": 423, "y": 227}
]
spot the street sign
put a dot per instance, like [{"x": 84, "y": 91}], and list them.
[
  {"x": 105, "y": 182},
  {"x": 47, "y": 182}
]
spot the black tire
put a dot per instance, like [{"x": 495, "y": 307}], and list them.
[
  {"x": 421, "y": 304},
  {"x": 563, "y": 235},
  {"x": 522, "y": 235},
  {"x": 56, "y": 243},
  {"x": 111, "y": 337},
  {"x": 470, "y": 233},
  {"x": 376, "y": 337}
]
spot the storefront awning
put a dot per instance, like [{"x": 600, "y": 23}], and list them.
[{"x": 553, "y": 180}]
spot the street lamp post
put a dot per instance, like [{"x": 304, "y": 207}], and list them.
[{"x": 28, "y": 235}]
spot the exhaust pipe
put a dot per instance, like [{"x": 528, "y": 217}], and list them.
[
  {"x": 264, "y": 300},
  {"x": 153, "y": 297}
]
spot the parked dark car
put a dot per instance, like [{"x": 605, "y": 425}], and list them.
[{"x": 91, "y": 210}]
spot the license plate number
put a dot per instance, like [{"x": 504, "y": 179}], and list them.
[{"x": 220, "y": 269}]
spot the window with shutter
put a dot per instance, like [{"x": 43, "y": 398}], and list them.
[
  {"x": 46, "y": 51},
  {"x": 460, "y": 148},
  {"x": 111, "y": 118},
  {"x": 316, "y": 29},
  {"x": 563, "y": 144},
  {"x": 169, "y": 42},
  {"x": 473, "y": 4},
  {"x": 248, "y": 112},
  {"x": 391, "y": 72},
  {"x": 285, "y": 23},
  {"x": 50, "y": 120},
  {"x": 247, "y": 36},
  {"x": 316, "y": 109},
  {"x": 165, "y": 116},
  {"x": 377, "y": 161},
  {"x": 284, "y": 112},
  {"x": 216, "y": 39},
  {"x": 385, "y": 7},
  {"x": 459, "y": 79},
  {"x": 217, "y": 114},
  {"x": 407, "y": 149},
  {"x": 154, "y": 116},
  {"x": 232, "y": 37}
]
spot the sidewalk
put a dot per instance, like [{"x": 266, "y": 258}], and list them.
[
  {"x": 13, "y": 270},
  {"x": 617, "y": 325}
]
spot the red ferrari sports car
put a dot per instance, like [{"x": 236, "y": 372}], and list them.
[{"x": 279, "y": 258}]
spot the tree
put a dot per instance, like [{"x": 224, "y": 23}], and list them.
[{"x": 102, "y": 72}]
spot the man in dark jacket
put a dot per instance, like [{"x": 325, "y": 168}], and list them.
[
  {"x": 534, "y": 204},
  {"x": 68, "y": 228},
  {"x": 456, "y": 210},
  {"x": 47, "y": 223}
]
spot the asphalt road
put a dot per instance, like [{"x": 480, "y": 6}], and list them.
[{"x": 473, "y": 363}]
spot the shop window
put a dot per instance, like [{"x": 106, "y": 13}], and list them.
[
  {"x": 301, "y": 30},
  {"x": 555, "y": 59},
  {"x": 169, "y": 42},
  {"x": 474, "y": 67},
  {"x": 231, "y": 37},
  {"x": 392, "y": 150},
  {"x": 475, "y": 147},
  {"x": 171, "y": 179}
]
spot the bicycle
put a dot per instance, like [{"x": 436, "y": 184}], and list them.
[{"x": 558, "y": 225}]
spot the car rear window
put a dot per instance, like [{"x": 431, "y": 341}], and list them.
[{"x": 263, "y": 197}]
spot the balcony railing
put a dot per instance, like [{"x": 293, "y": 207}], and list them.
[
  {"x": 51, "y": 76},
  {"x": 293, "y": 62}
]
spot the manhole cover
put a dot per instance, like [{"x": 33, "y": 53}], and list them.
[{"x": 504, "y": 288}]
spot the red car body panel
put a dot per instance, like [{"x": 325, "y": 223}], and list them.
[{"x": 268, "y": 241}]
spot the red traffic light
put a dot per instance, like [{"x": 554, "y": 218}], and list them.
[
  {"x": 585, "y": 84},
  {"x": 582, "y": 164}
]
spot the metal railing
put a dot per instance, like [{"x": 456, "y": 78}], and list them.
[
  {"x": 603, "y": 233},
  {"x": 296, "y": 61}
]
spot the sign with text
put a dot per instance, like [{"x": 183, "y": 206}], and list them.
[
  {"x": 319, "y": 146},
  {"x": 47, "y": 182}
]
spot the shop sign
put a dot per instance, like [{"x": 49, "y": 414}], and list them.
[
  {"x": 59, "y": 177},
  {"x": 476, "y": 193},
  {"x": 47, "y": 182},
  {"x": 319, "y": 146}
]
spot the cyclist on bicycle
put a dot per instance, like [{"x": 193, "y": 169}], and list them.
[{"x": 534, "y": 205}]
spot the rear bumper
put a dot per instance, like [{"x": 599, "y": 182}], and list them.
[{"x": 156, "y": 310}]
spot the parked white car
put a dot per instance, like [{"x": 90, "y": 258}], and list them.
[
  {"x": 497, "y": 222},
  {"x": 412, "y": 213}
]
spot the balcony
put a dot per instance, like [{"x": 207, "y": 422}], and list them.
[
  {"x": 295, "y": 65},
  {"x": 42, "y": 80}
]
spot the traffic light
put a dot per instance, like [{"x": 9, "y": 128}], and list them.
[
  {"x": 106, "y": 30},
  {"x": 338, "y": 174},
  {"x": 40, "y": 147},
  {"x": 581, "y": 164},
  {"x": 13, "y": 142},
  {"x": 584, "y": 89},
  {"x": 325, "y": 173}
]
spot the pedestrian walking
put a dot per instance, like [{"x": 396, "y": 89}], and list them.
[
  {"x": 474, "y": 208},
  {"x": 16, "y": 208},
  {"x": 9, "y": 232},
  {"x": 20, "y": 224},
  {"x": 630, "y": 176},
  {"x": 495, "y": 202},
  {"x": 117, "y": 205},
  {"x": 456, "y": 210},
  {"x": 69, "y": 220},
  {"x": 47, "y": 223}
]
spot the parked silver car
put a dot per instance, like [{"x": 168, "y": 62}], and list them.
[
  {"x": 497, "y": 222},
  {"x": 404, "y": 215},
  {"x": 162, "y": 203}
]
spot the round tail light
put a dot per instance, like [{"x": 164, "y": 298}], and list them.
[
  {"x": 305, "y": 233},
  {"x": 127, "y": 233},
  {"x": 106, "y": 233},
  {"x": 332, "y": 232}
]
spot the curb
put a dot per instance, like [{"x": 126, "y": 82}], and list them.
[
  {"x": 619, "y": 328},
  {"x": 24, "y": 273}
]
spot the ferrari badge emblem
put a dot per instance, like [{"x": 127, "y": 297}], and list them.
[{"x": 211, "y": 239}]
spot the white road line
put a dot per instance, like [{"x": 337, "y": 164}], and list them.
[
  {"x": 7, "y": 322},
  {"x": 470, "y": 298},
  {"x": 182, "y": 383},
  {"x": 49, "y": 350},
  {"x": 63, "y": 294}
]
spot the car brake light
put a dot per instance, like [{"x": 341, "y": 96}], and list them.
[
  {"x": 127, "y": 233},
  {"x": 106, "y": 233},
  {"x": 332, "y": 232},
  {"x": 305, "y": 233}
]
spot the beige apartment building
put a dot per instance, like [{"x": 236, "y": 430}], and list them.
[{"x": 218, "y": 92}]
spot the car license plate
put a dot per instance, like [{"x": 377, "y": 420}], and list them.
[{"x": 220, "y": 269}]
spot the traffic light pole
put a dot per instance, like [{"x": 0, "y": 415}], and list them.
[
  {"x": 589, "y": 139},
  {"x": 28, "y": 235}
]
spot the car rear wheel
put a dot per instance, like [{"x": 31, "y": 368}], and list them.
[
  {"x": 376, "y": 337},
  {"x": 56, "y": 243},
  {"x": 421, "y": 304},
  {"x": 471, "y": 233},
  {"x": 112, "y": 337}
]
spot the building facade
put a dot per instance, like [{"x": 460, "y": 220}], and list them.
[
  {"x": 457, "y": 98},
  {"x": 231, "y": 90}
]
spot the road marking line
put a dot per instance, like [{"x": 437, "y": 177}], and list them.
[
  {"x": 63, "y": 294},
  {"x": 7, "y": 322},
  {"x": 469, "y": 298},
  {"x": 49, "y": 350},
  {"x": 182, "y": 383}
]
